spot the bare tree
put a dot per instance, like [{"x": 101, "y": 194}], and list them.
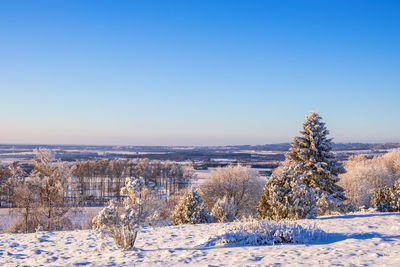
[
  {"x": 52, "y": 178},
  {"x": 25, "y": 202},
  {"x": 238, "y": 183},
  {"x": 22, "y": 194},
  {"x": 9, "y": 175}
]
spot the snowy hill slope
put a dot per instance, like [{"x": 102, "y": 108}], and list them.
[{"x": 357, "y": 239}]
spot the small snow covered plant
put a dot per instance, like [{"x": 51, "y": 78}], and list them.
[
  {"x": 387, "y": 199},
  {"x": 223, "y": 210},
  {"x": 139, "y": 208},
  {"x": 265, "y": 232},
  {"x": 191, "y": 209}
]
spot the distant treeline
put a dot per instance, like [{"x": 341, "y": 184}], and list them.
[{"x": 95, "y": 182}]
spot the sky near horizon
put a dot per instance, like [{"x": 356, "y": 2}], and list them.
[{"x": 197, "y": 72}]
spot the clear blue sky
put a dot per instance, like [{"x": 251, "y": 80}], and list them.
[{"x": 197, "y": 72}]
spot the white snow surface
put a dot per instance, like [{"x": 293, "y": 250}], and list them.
[{"x": 357, "y": 239}]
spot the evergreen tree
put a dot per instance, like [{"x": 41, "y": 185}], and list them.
[
  {"x": 396, "y": 195},
  {"x": 311, "y": 153},
  {"x": 307, "y": 179},
  {"x": 191, "y": 209}
]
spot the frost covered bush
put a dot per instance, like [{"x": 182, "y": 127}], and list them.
[
  {"x": 238, "y": 183},
  {"x": 139, "y": 208},
  {"x": 387, "y": 199},
  {"x": 265, "y": 232},
  {"x": 191, "y": 209},
  {"x": 110, "y": 222},
  {"x": 366, "y": 176},
  {"x": 391, "y": 160},
  {"x": 223, "y": 210},
  {"x": 286, "y": 196},
  {"x": 307, "y": 180}
]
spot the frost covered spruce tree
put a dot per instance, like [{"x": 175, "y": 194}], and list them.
[
  {"x": 310, "y": 172},
  {"x": 191, "y": 209},
  {"x": 140, "y": 207},
  {"x": 224, "y": 210}
]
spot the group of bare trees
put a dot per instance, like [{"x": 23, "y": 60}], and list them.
[
  {"x": 365, "y": 177},
  {"x": 98, "y": 181},
  {"x": 38, "y": 197},
  {"x": 44, "y": 194},
  {"x": 93, "y": 182}
]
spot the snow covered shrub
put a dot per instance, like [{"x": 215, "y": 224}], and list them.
[
  {"x": 110, "y": 222},
  {"x": 382, "y": 199},
  {"x": 265, "y": 232},
  {"x": 307, "y": 178},
  {"x": 286, "y": 196},
  {"x": 191, "y": 209},
  {"x": 364, "y": 177},
  {"x": 387, "y": 199},
  {"x": 140, "y": 206},
  {"x": 396, "y": 187},
  {"x": 240, "y": 184},
  {"x": 168, "y": 207},
  {"x": 223, "y": 210}
]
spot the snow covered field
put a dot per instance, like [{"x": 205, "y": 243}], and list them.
[
  {"x": 357, "y": 239},
  {"x": 79, "y": 219}
]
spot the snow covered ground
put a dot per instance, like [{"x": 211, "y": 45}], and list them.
[
  {"x": 357, "y": 239},
  {"x": 80, "y": 219}
]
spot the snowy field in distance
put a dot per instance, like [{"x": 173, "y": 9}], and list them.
[{"x": 358, "y": 239}]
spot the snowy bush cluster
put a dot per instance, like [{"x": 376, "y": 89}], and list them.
[
  {"x": 366, "y": 178},
  {"x": 265, "y": 232}
]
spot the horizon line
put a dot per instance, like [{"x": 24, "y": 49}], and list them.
[{"x": 119, "y": 145}]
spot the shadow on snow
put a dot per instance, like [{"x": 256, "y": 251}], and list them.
[{"x": 352, "y": 216}]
